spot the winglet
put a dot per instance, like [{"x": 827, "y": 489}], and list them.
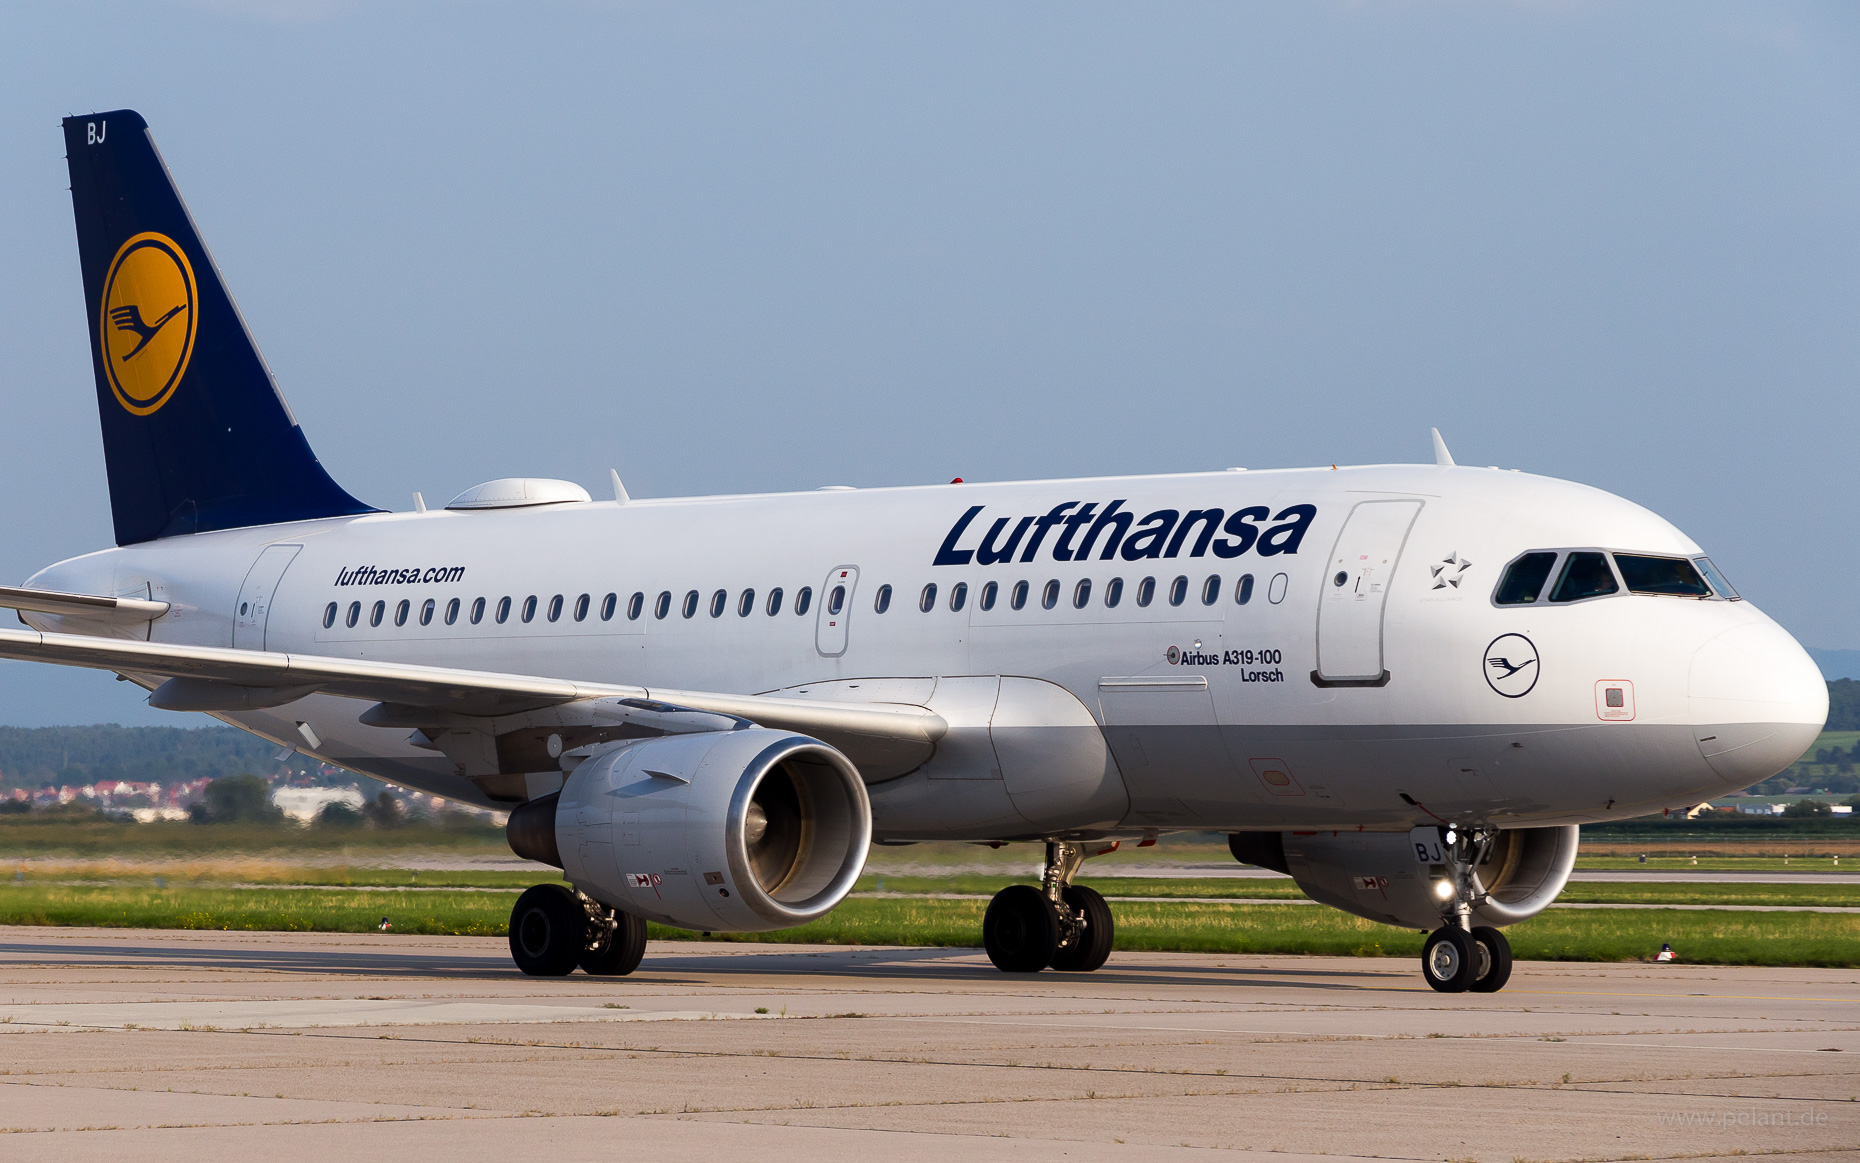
[
  {"x": 619, "y": 489},
  {"x": 1442, "y": 457}
]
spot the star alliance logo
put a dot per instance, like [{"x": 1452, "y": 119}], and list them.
[{"x": 1448, "y": 572}]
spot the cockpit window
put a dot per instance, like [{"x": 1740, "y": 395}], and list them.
[
  {"x": 1524, "y": 582},
  {"x": 1585, "y": 575},
  {"x": 1672, "y": 576},
  {"x": 1718, "y": 584}
]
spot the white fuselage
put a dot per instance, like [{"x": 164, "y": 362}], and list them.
[{"x": 1273, "y": 714}]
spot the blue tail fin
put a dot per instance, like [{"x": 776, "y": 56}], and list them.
[{"x": 196, "y": 436}]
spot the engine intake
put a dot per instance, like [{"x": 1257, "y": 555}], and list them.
[
  {"x": 729, "y": 831},
  {"x": 1375, "y": 875}
]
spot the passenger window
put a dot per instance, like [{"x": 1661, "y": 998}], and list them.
[
  {"x": 1523, "y": 582},
  {"x": 719, "y": 602},
  {"x": 635, "y": 606},
  {"x": 329, "y": 616},
  {"x": 1718, "y": 581},
  {"x": 1178, "y": 591},
  {"x": 663, "y": 605},
  {"x": 452, "y": 612},
  {"x": 1113, "y": 593},
  {"x": 1049, "y": 596},
  {"x": 609, "y": 604},
  {"x": 958, "y": 595},
  {"x": 426, "y": 612},
  {"x": 503, "y": 610},
  {"x": 375, "y": 615},
  {"x": 1081, "y": 593},
  {"x": 1017, "y": 598},
  {"x": 803, "y": 599},
  {"x": 1585, "y": 575},
  {"x": 477, "y": 611},
  {"x": 882, "y": 601},
  {"x": 555, "y": 608},
  {"x": 1211, "y": 590},
  {"x": 746, "y": 605},
  {"x": 581, "y": 607},
  {"x": 691, "y": 603},
  {"x": 774, "y": 607},
  {"x": 987, "y": 598},
  {"x": 836, "y": 601},
  {"x": 926, "y": 601},
  {"x": 529, "y": 608},
  {"x": 355, "y": 614},
  {"x": 400, "y": 612},
  {"x": 1672, "y": 577},
  {"x": 1146, "y": 591},
  {"x": 1243, "y": 590}
]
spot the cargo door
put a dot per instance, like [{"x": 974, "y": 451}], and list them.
[
  {"x": 1356, "y": 585},
  {"x": 255, "y": 596}
]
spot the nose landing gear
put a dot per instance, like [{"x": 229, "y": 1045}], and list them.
[
  {"x": 1059, "y": 925},
  {"x": 1461, "y": 956}
]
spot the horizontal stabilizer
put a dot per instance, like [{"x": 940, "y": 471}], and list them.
[{"x": 113, "y": 611}]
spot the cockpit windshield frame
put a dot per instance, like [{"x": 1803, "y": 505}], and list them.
[{"x": 1530, "y": 559}]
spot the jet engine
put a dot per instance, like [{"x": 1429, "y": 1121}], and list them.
[
  {"x": 728, "y": 831},
  {"x": 1378, "y": 875}
]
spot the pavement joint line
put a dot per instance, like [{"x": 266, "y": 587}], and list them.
[{"x": 1374, "y": 1083}]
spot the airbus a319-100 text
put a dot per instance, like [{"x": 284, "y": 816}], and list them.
[{"x": 1406, "y": 686}]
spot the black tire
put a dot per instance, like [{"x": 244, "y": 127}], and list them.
[
  {"x": 1449, "y": 959},
  {"x": 1020, "y": 930},
  {"x": 1094, "y": 942},
  {"x": 548, "y": 931},
  {"x": 622, "y": 951},
  {"x": 1494, "y": 960}
]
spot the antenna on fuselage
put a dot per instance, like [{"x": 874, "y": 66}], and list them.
[
  {"x": 620, "y": 496},
  {"x": 1442, "y": 457}
]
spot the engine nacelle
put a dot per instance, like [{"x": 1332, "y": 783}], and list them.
[
  {"x": 726, "y": 831},
  {"x": 1375, "y": 874}
]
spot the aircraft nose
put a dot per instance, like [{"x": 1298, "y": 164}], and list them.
[{"x": 1758, "y": 701}]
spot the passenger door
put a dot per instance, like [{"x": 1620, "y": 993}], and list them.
[
  {"x": 1349, "y": 631},
  {"x": 255, "y": 596},
  {"x": 836, "y": 600}
]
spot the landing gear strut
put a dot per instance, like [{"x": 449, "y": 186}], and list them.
[
  {"x": 1461, "y": 956},
  {"x": 1060, "y": 925},
  {"x": 553, "y": 928}
]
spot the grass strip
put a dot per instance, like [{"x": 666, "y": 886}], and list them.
[{"x": 1165, "y": 926}]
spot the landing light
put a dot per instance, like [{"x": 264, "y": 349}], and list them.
[{"x": 1443, "y": 889}]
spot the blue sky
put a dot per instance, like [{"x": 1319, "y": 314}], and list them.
[{"x": 729, "y": 247}]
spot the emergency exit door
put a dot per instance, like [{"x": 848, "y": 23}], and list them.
[{"x": 1356, "y": 588}]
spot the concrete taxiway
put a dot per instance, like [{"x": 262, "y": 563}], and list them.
[{"x": 189, "y": 1046}]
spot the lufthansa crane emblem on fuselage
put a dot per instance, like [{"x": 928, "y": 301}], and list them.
[
  {"x": 1511, "y": 665},
  {"x": 148, "y": 320}
]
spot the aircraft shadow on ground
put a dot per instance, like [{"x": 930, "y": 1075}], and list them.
[{"x": 667, "y": 968}]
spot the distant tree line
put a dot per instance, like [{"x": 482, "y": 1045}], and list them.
[{"x": 31, "y": 757}]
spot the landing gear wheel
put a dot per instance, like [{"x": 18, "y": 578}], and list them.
[
  {"x": 1095, "y": 934},
  {"x": 1020, "y": 930},
  {"x": 621, "y": 952},
  {"x": 1494, "y": 960},
  {"x": 1450, "y": 959},
  {"x": 548, "y": 931}
]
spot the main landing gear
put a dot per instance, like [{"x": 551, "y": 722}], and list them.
[
  {"x": 1461, "y": 956},
  {"x": 1059, "y": 925},
  {"x": 554, "y": 928}
]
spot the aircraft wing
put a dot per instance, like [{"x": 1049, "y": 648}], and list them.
[{"x": 255, "y": 678}]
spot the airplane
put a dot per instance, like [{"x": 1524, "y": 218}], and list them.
[{"x": 1406, "y": 686}]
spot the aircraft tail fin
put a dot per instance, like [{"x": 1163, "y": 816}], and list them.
[{"x": 196, "y": 436}]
